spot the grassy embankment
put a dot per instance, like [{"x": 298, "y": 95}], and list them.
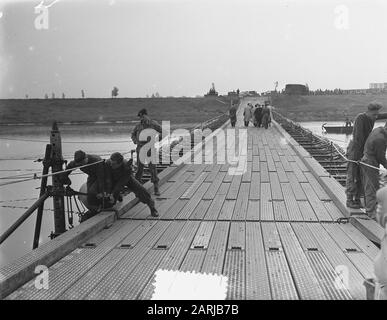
[
  {"x": 180, "y": 111},
  {"x": 325, "y": 108}
]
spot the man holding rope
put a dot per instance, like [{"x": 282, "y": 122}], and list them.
[
  {"x": 374, "y": 155},
  {"x": 364, "y": 123}
]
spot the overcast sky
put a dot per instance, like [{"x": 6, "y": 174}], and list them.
[{"x": 179, "y": 47}]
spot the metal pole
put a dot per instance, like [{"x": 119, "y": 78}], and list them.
[
  {"x": 57, "y": 165},
  {"x": 19, "y": 221},
  {"x": 43, "y": 185}
]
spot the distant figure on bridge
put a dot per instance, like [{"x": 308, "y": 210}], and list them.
[
  {"x": 266, "y": 117},
  {"x": 119, "y": 175},
  {"x": 380, "y": 265},
  {"x": 232, "y": 114},
  {"x": 348, "y": 123},
  {"x": 364, "y": 123},
  {"x": 95, "y": 179},
  {"x": 374, "y": 155},
  {"x": 258, "y": 115},
  {"x": 145, "y": 123},
  {"x": 247, "y": 114}
]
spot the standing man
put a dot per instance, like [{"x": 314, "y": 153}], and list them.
[
  {"x": 258, "y": 115},
  {"x": 374, "y": 155},
  {"x": 363, "y": 125},
  {"x": 232, "y": 113},
  {"x": 145, "y": 123},
  {"x": 265, "y": 117},
  {"x": 247, "y": 114},
  {"x": 118, "y": 175}
]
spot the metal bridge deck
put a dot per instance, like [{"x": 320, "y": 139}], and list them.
[{"x": 271, "y": 231}]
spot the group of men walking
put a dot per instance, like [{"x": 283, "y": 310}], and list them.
[
  {"x": 258, "y": 114},
  {"x": 108, "y": 178},
  {"x": 366, "y": 152}
]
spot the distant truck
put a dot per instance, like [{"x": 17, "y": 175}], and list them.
[{"x": 296, "y": 89}]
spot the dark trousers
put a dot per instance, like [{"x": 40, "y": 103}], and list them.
[
  {"x": 140, "y": 169},
  {"x": 370, "y": 178},
  {"x": 353, "y": 187},
  {"x": 233, "y": 121},
  {"x": 137, "y": 188},
  {"x": 247, "y": 123},
  {"x": 92, "y": 191}
]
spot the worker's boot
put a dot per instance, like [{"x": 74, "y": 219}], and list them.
[
  {"x": 153, "y": 210},
  {"x": 156, "y": 189},
  {"x": 358, "y": 202},
  {"x": 352, "y": 204}
]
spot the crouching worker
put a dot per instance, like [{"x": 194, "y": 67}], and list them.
[
  {"x": 95, "y": 180},
  {"x": 118, "y": 175},
  {"x": 380, "y": 266}
]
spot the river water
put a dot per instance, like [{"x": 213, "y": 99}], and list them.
[{"x": 20, "y": 148}]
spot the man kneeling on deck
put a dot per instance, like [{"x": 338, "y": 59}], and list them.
[
  {"x": 374, "y": 155},
  {"x": 118, "y": 175}
]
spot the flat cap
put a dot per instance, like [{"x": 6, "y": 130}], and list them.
[{"x": 79, "y": 156}]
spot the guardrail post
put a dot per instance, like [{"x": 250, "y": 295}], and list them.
[
  {"x": 57, "y": 165},
  {"x": 43, "y": 185}
]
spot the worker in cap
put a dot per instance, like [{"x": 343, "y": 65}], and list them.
[
  {"x": 146, "y": 123},
  {"x": 119, "y": 175},
  {"x": 362, "y": 127},
  {"x": 95, "y": 177},
  {"x": 374, "y": 155}
]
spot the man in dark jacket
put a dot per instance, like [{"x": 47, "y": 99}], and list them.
[
  {"x": 374, "y": 155},
  {"x": 95, "y": 176},
  {"x": 118, "y": 175},
  {"x": 258, "y": 115},
  {"x": 232, "y": 115},
  {"x": 363, "y": 125},
  {"x": 145, "y": 123}
]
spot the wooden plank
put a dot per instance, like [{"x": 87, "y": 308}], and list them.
[
  {"x": 276, "y": 192},
  {"x": 370, "y": 228},
  {"x": 326, "y": 276},
  {"x": 136, "y": 235},
  {"x": 270, "y": 164},
  {"x": 203, "y": 235},
  {"x": 318, "y": 207},
  {"x": 213, "y": 262},
  {"x": 234, "y": 187},
  {"x": 296, "y": 187},
  {"x": 193, "y": 202},
  {"x": 280, "y": 213},
  {"x": 241, "y": 204},
  {"x": 255, "y": 164},
  {"x": 175, "y": 209},
  {"x": 234, "y": 270},
  {"x": 257, "y": 278},
  {"x": 333, "y": 211},
  {"x": 341, "y": 238},
  {"x": 281, "y": 172},
  {"x": 189, "y": 193},
  {"x": 266, "y": 209},
  {"x": 316, "y": 167},
  {"x": 361, "y": 240},
  {"x": 292, "y": 208},
  {"x": 307, "y": 211},
  {"x": 264, "y": 172},
  {"x": 321, "y": 194},
  {"x": 298, "y": 172},
  {"x": 169, "y": 236},
  {"x": 236, "y": 238},
  {"x": 215, "y": 169},
  {"x": 271, "y": 239},
  {"x": 285, "y": 164},
  {"x": 227, "y": 210},
  {"x": 255, "y": 186},
  {"x": 305, "y": 237},
  {"x": 211, "y": 192},
  {"x": 193, "y": 261},
  {"x": 253, "y": 210},
  {"x": 201, "y": 210},
  {"x": 303, "y": 275},
  {"x": 300, "y": 164},
  {"x": 246, "y": 177},
  {"x": 339, "y": 260}
]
